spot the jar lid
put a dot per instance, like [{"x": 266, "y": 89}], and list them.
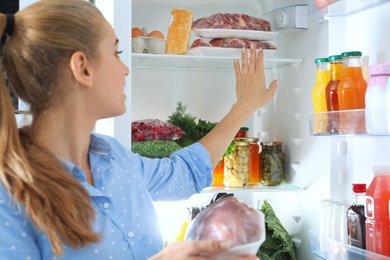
[
  {"x": 244, "y": 129},
  {"x": 359, "y": 187},
  {"x": 351, "y": 53},
  {"x": 378, "y": 69},
  {"x": 253, "y": 139},
  {"x": 241, "y": 143},
  {"x": 320, "y": 60},
  {"x": 271, "y": 143},
  {"x": 334, "y": 57}
]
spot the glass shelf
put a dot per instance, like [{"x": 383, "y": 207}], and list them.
[
  {"x": 343, "y": 7},
  {"x": 141, "y": 60},
  {"x": 326, "y": 248},
  {"x": 258, "y": 188}
]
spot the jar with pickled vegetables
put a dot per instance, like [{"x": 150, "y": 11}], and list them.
[
  {"x": 236, "y": 172},
  {"x": 273, "y": 163}
]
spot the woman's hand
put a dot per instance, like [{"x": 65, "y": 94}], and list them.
[
  {"x": 195, "y": 250},
  {"x": 251, "y": 88}
]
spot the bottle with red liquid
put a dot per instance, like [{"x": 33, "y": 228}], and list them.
[
  {"x": 351, "y": 92},
  {"x": 356, "y": 219},
  {"x": 377, "y": 212},
  {"x": 332, "y": 100}
]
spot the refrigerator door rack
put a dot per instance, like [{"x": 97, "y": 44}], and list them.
[
  {"x": 326, "y": 248},
  {"x": 347, "y": 122}
]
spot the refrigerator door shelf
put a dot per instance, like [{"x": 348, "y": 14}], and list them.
[
  {"x": 350, "y": 122},
  {"x": 326, "y": 248},
  {"x": 342, "y": 7}
]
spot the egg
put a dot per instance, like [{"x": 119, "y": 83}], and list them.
[
  {"x": 136, "y": 32},
  {"x": 157, "y": 34}
]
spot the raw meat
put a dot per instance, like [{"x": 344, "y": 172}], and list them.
[
  {"x": 232, "y": 21},
  {"x": 232, "y": 43},
  {"x": 227, "y": 219},
  {"x": 154, "y": 129}
]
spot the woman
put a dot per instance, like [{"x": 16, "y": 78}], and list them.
[{"x": 67, "y": 193}]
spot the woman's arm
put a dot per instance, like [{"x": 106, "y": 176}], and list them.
[{"x": 251, "y": 93}]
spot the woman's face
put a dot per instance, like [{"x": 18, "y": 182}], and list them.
[{"x": 109, "y": 77}]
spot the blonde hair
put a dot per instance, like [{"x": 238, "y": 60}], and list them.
[{"x": 34, "y": 60}]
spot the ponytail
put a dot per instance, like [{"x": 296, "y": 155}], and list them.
[{"x": 56, "y": 203}]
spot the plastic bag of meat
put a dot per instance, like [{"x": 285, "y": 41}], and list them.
[
  {"x": 232, "y": 21},
  {"x": 228, "y": 219},
  {"x": 154, "y": 129}
]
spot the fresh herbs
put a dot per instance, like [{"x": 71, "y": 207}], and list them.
[{"x": 193, "y": 129}]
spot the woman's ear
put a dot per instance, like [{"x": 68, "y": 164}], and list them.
[{"x": 81, "y": 69}]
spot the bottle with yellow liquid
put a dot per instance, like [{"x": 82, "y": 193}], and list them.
[
  {"x": 319, "y": 97},
  {"x": 183, "y": 227}
]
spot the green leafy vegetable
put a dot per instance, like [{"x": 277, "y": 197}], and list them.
[
  {"x": 194, "y": 129},
  {"x": 278, "y": 244}
]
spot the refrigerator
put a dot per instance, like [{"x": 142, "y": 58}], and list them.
[{"x": 318, "y": 167}]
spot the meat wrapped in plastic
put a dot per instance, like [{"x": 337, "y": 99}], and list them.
[{"x": 228, "y": 219}]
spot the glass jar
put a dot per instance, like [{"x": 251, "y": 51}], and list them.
[
  {"x": 254, "y": 173},
  {"x": 218, "y": 174},
  {"x": 273, "y": 163},
  {"x": 236, "y": 172},
  {"x": 242, "y": 133}
]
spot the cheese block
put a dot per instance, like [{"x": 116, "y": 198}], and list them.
[{"x": 179, "y": 32}]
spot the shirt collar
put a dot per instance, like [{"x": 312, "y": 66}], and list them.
[{"x": 99, "y": 145}]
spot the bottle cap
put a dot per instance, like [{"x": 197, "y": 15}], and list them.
[
  {"x": 359, "y": 187},
  {"x": 320, "y": 60},
  {"x": 380, "y": 69},
  {"x": 334, "y": 57},
  {"x": 351, "y": 53},
  {"x": 381, "y": 170}
]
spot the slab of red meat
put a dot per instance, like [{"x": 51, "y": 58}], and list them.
[
  {"x": 232, "y": 21},
  {"x": 200, "y": 43},
  {"x": 233, "y": 43},
  {"x": 227, "y": 219}
]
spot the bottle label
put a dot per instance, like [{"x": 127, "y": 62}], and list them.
[{"x": 370, "y": 207}]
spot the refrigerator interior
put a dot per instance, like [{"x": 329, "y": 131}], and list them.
[{"x": 322, "y": 167}]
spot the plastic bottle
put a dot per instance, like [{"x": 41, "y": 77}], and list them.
[
  {"x": 318, "y": 96},
  {"x": 377, "y": 212},
  {"x": 388, "y": 104},
  {"x": 351, "y": 93},
  {"x": 332, "y": 99},
  {"x": 356, "y": 217},
  {"x": 376, "y": 103}
]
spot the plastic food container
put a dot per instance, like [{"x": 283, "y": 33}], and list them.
[{"x": 147, "y": 44}]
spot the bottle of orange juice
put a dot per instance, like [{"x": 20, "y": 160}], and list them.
[
  {"x": 351, "y": 93},
  {"x": 318, "y": 96}
]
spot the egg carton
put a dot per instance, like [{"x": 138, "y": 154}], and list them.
[{"x": 144, "y": 44}]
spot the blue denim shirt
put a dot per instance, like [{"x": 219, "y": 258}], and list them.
[{"x": 125, "y": 186}]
